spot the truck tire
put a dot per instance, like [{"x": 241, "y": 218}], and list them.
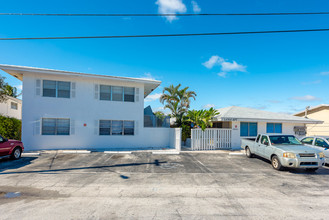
[
  {"x": 311, "y": 169},
  {"x": 16, "y": 154},
  {"x": 248, "y": 153},
  {"x": 276, "y": 163}
]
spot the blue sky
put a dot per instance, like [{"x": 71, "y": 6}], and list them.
[{"x": 275, "y": 72}]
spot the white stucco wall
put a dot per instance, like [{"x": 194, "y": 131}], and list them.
[
  {"x": 287, "y": 128},
  {"x": 84, "y": 108},
  {"x": 6, "y": 110}
]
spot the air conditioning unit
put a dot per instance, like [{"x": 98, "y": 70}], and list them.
[{"x": 300, "y": 130}]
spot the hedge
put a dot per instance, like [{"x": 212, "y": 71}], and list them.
[{"x": 10, "y": 128}]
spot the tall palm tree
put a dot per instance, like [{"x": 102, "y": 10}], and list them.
[
  {"x": 2, "y": 89},
  {"x": 10, "y": 91},
  {"x": 177, "y": 101}
]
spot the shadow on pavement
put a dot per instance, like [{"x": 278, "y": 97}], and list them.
[
  {"x": 7, "y": 163},
  {"x": 156, "y": 163},
  {"x": 320, "y": 171}
]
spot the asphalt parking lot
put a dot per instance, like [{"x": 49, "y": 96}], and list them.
[{"x": 147, "y": 186}]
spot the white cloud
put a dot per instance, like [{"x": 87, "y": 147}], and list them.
[
  {"x": 153, "y": 97},
  {"x": 225, "y": 65},
  {"x": 148, "y": 76},
  {"x": 229, "y": 67},
  {"x": 209, "y": 106},
  {"x": 222, "y": 74},
  {"x": 306, "y": 98},
  {"x": 196, "y": 7},
  {"x": 171, "y": 7},
  {"x": 324, "y": 73}
]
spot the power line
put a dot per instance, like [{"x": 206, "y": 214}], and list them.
[
  {"x": 167, "y": 15},
  {"x": 163, "y": 35}
]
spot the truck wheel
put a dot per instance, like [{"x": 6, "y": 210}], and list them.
[
  {"x": 248, "y": 153},
  {"x": 276, "y": 163},
  {"x": 311, "y": 169},
  {"x": 16, "y": 154}
]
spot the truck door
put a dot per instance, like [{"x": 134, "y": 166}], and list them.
[
  {"x": 264, "y": 143},
  {"x": 4, "y": 147}
]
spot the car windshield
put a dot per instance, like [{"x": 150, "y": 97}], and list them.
[{"x": 287, "y": 140}]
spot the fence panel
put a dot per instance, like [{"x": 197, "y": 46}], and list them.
[{"x": 211, "y": 139}]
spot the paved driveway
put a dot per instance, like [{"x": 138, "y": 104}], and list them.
[{"x": 146, "y": 186}]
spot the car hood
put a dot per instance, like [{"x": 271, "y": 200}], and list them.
[
  {"x": 297, "y": 149},
  {"x": 14, "y": 141}
]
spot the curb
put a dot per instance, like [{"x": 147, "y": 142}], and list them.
[
  {"x": 117, "y": 152},
  {"x": 165, "y": 152},
  {"x": 30, "y": 154},
  {"x": 75, "y": 152}
]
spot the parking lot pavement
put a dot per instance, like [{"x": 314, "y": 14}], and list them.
[{"x": 150, "y": 186}]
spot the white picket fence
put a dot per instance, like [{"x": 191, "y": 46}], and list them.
[{"x": 211, "y": 139}]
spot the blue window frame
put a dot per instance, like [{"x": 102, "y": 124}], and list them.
[
  {"x": 274, "y": 128},
  {"x": 248, "y": 129}
]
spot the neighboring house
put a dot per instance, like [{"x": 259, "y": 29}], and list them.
[
  {"x": 63, "y": 110},
  {"x": 151, "y": 120},
  {"x": 248, "y": 122},
  {"x": 320, "y": 112},
  {"x": 12, "y": 107}
]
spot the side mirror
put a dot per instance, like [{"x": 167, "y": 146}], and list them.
[
  {"x": 5, "y": 140},
  {"x": 266, "y": 143}
]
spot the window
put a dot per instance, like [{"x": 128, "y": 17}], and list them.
[
  {"x": 13, "y": 105},
  {"x": 128, "y": 127},
  {"x": 55, "y": 126},
  {"x": 105, "y": 92},
  {"x": 264, "y": 140},
  {"x": 248, "y": 129},
  {"x": 274, "y": 128},
  {"x": 63, "y": 89},
  {"x": 104, "y": 127},
  {"x": 59, "y": 89},
  {"x": 117, "y": 93},
  {"x": 321, "y": 143},
  {"x": 129, "y": 94},
  {"x": 308, "y": 140},
  {"x": 257, "y": 139},
  {"x": 116, "y": 127}
]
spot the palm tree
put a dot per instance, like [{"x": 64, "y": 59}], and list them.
[
  {"x": 10, "y": 91},
  {"x": 2, "y": 89},
  {"x": 177, "y": 101}
]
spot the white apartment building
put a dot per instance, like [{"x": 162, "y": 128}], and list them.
[
  {"x": 12, "y": 107},
  {"x": 70, "y": 110}
]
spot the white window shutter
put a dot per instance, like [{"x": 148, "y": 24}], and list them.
[
  {"x": 38, "y": 87},
  {"x": 37, "y": 127},
  {"x": 96, "y": 89},
  {"x": 136, "y": 127},
  {"x": 96, "y": 127},
  {"x": 73, "y": 85},
  {"x": 136, "y": 94},
  {"x": 72, "y": 127}
]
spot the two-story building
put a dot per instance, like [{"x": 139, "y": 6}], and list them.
[
  {"x": 65, "y": 110},
  {"x": 11, "y": 107}
]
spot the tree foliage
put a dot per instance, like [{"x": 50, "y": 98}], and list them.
[
  {"x": 10, "y": 127},
  {"x": 202, "y": 118},
  {"x": 2, "y": 89},
  {"x": 178, "y": 101}
]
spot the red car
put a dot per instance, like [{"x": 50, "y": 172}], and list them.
[{"x": 12, "y": 148}]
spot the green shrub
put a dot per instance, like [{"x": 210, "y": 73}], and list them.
[{"x": 10, "y": 128}]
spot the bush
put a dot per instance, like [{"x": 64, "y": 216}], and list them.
[{"x": 10, "y": 128}]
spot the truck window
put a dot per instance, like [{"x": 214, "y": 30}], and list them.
[
  {"x": 321, "y": 143},
  {"x": 257, "y": 139},
  {"x": 308, "y": 140},
  {"x": 264, "y": 140}
]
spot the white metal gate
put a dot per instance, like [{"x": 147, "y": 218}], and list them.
[{"x": 211, "y": 139}]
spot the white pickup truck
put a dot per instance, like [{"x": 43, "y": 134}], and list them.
[{"x": 284, "y": 151}]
